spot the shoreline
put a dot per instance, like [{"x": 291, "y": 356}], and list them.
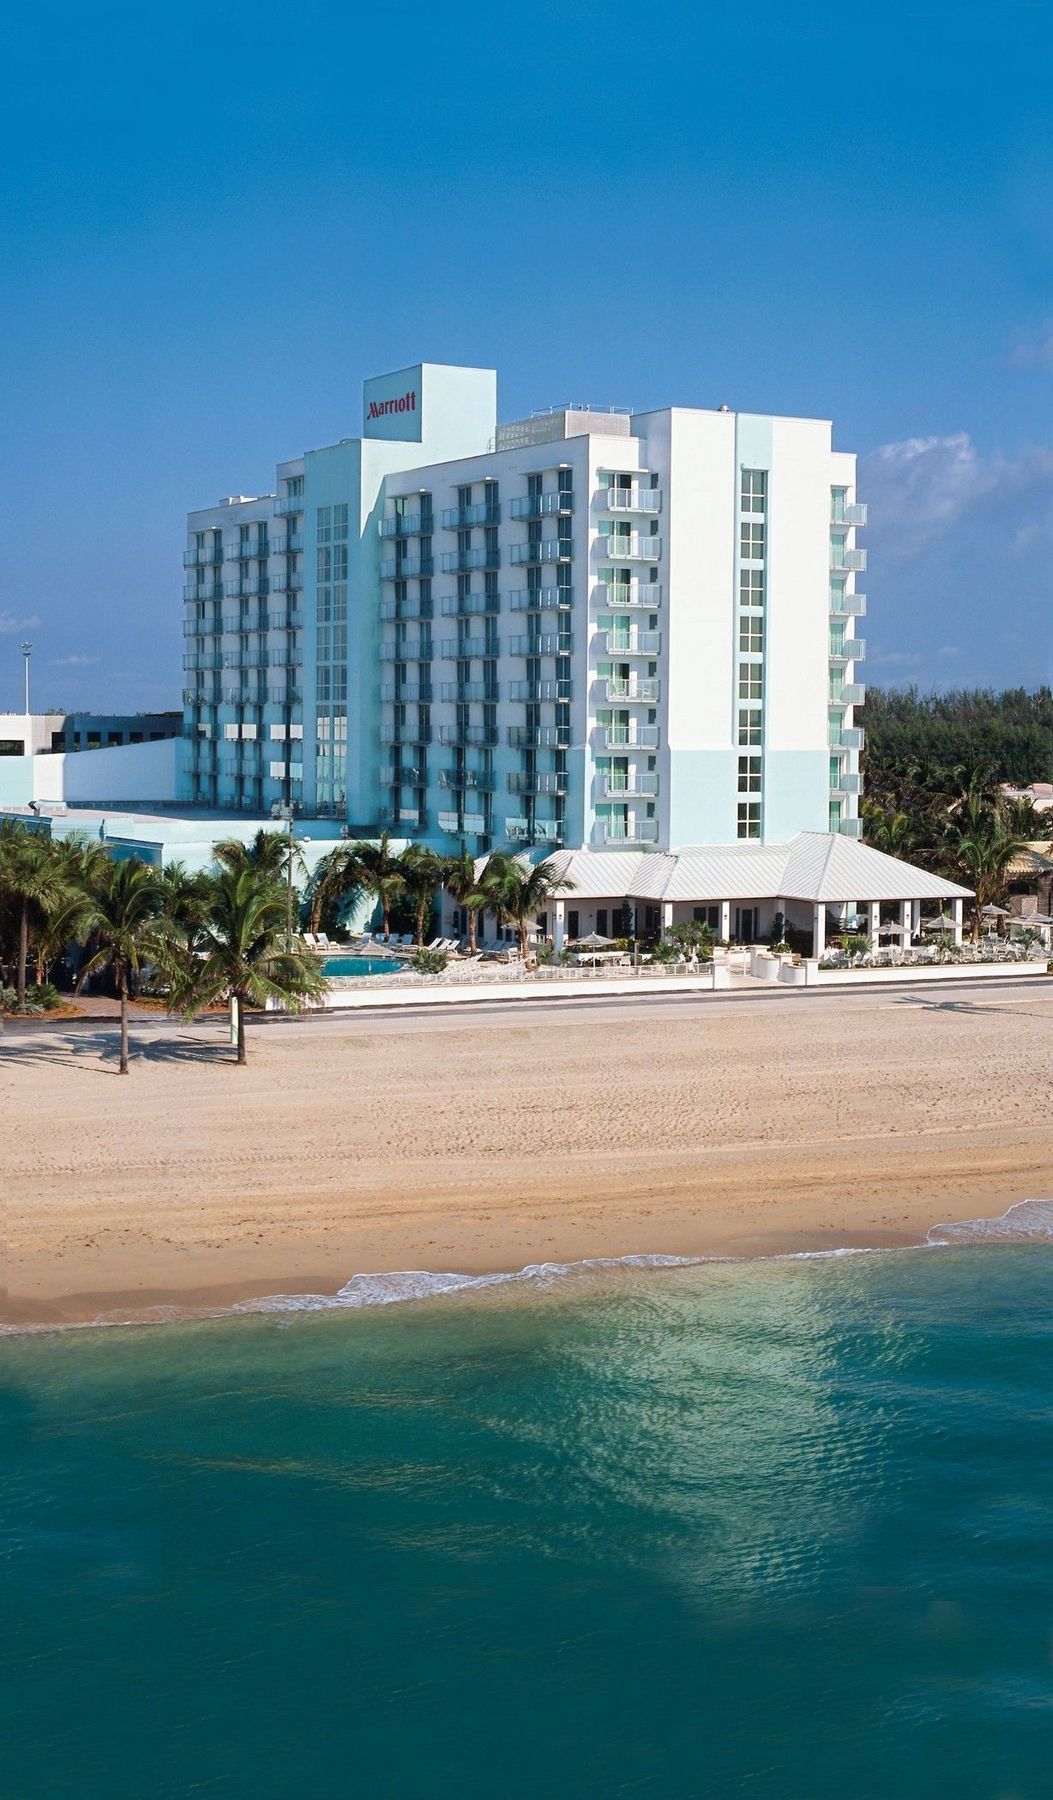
[{"x": 485, "y": 1146}]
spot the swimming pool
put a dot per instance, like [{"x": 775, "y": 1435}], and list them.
[{"x": 361, "y": 965}]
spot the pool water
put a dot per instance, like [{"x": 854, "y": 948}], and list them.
[{"x": 361, "y": 965}]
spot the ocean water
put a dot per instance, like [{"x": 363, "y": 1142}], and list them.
[{"x": 779, "y": 1529}]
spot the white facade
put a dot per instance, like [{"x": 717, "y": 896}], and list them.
[{"x": 587, "y": 629}]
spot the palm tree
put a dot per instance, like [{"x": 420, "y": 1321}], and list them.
[
  {"x": 518, "y": 891},
  {"x": 335, "y": 879},
  {"x": 267, "y": 853},
  {"x": 463, "y": 885},
  {"x": 123, "y": 922},
  {"x": 422, "y": 873},
  {"x": 980, "y": 845},
  {"x": 82, "y": 864},
  {"x": 32, "y": 880},
  {"x": 242, "y": 951},
  {"x": 381, "y": 873}
]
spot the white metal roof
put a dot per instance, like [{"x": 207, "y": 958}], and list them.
[{"x": 814, "y": 865}]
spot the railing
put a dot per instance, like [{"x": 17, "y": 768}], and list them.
[
  {"x": 542, "y": 831},
  {"x": 457, "y": 649},
  {"x": 197, "y": 659},
  {"x": 545, "y": 783},
  {"x": 247, "y": 550},
  {"x": 547, "y": 643},
  {"x": 469, "y": 606},
  {"x": 630, "y": 499},
  {"x": 471, "y": 824},
  {"x": 620, "y": 689},
  {"x": 632, "y": 548},
  {"x": 852, "y": 693},
  {"x": 539, "y": 690},
  {"x": 410, "y": 693},
  {"x": 414, "y": 652},
  {"x": 245, "y": 588},
  {"x": 628, "y": 593},
  {"x": 841, "y": 513},
  {"x": 622, "y": 787},
  {"x": 551, "y": 551},
  {"x": 399, "y": 776},
  {"x": 848, "y": 606},
  {"x": 463, "y": 561},
  {"x": 287, "y": 504},
  {"x": 541, "y": 506},
  {"x": 408, "y": 526},
  {"x": 848, "y": 782},
  {"x": 847, "y": 649},
  {"x": 549, "y": 599},
  {"x": 196, "y": 559},
  {"x": 408, "y": 568},
  {"x": 468, "y": 737},
  {"x": 464, "y": 518},
  {"x": 482, "y": 781},
  {"x": 288, "y": 545},
  {"x": 539, "y": 737},
  {"x": 414, "y": 610},
  {"x": 629, "y": 831},
  {"x": 847, "y": 562},
  {"x": 848, "y": 737},
  {"x": 465, "y": 691},
  {"x": 635, "y": 643},
  {"x": 626, "y": 737}
]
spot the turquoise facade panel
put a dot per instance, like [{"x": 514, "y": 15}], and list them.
[
  {"x": 702, "y": 805},
  {"x": 796, "y": 793}
]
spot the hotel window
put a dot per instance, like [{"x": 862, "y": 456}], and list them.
[
  {"x": 754, "y": 490},
  {"x": 751, "y": 682},
  {"x": 340, "y": 520},
  {"x": 749, "y": 819},
  {"x": 751, "y": 635},
  {"x": 838, "y": 500},
  {"x": 324, "y": 519},
  {"x": 751, "y": 588},
  {"x": 749, "y": 774},
  {"x": 750, "y": 728},
  {"x": 751, "y": 539}
]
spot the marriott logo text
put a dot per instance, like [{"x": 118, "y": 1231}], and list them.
[{"x": 406, "y": 403}]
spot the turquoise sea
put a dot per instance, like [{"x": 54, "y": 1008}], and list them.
[{"x": 778, "y": 1529}]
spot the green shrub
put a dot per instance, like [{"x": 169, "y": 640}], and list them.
[
  {"x": 693, "y": 934},
  {"x": 44, "y": 995},
  {"x": 8, "y": 999},
  {"x": 429, "y": 962}
]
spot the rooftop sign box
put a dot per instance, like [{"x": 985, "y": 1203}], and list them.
[{"x": 392, "y": 406}]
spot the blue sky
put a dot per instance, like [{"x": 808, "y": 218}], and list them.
[{"x": 216, "y": 221}]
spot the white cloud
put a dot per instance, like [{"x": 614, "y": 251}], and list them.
[
  {"x": 923, "y": 488},
  {"x": 1035, "y": 352},
  {"x": 9, "y": 623},
  {"x": 74, "y": 662}
]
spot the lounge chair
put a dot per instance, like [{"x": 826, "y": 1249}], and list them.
[
  {"x": 310, "y": 940},
  {"x": 321, "y": 941}
]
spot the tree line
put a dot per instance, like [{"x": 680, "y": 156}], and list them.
[{"x": 1005, "y": 736}]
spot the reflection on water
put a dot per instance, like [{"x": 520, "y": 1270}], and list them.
[{"x": 779, "y": 1529}]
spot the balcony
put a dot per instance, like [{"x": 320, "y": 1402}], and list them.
[
  {"x": 465, "y": 518},
  {"x": 636, "y": 499},
  {"x": 537, "y": 691},
  {"x": 458, "y": 825},
  {"x": 407, "y": 568},
  {"x": 287, "y": 505},
  {"x": 196, "y": 559},
  {"x": 466, "y": 691},
  {"x": 415, "y": 651},
  {"x": 200, "y": 659},
  {"x": 399, "y": 775},
  {"x": 409, "y": 525},
  {"x": 461, "y": 562},
  {"x": 461, "y": 649},
  {"x": 851, "y": 828},
  {"x": 848, "y": 606},
  {"x": 539, "y": 737},
  {"x": 848, "y": 649},
  {"x": 290, "y": 582},
  {"x": 549, "y": 599},
  {"x": 845, "y": 737},
  {"x": 470, "y": 606},
  {"x": 394, "y": 735},
  {"x": 246, "y": 588},
  {"x": 407, "y": 609},
  {"x": 847, "y": 562},
  {"x": 633, "y": 643},
  {"x": 481, "y": 781},
  {"x": 841, "y": 513},
  {"x": 246, "y": 550},
  {"x": 629, "y": 787},
  {"x": 630, "y": 689},
  {"x": 467, "y": 737},
  {"x": 848, "y": 782},
  {"x": 283, "y": 621},
  {"x": 629, "y": 831},
  {"x": 288, "y": 545},
  {"x": 409, "y": 693},
  {"x": 647, "y": 594},
  {"x": 548, "y": 782},
  {"x": 630, "y": 548},
  {"x": 629, "y": 737},
  {"x": 546, "y": 643},
  {"x": 553, "y": 550},
  {"x": 542, "y": 831},
  {"x": 853, "y": 693},
  {"x": 215, "y": 592},
  {"x": 541, "y": 506}
]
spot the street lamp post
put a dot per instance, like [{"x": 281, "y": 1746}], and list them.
[
  {"x": 27, "y": 651},
  {"x": 286, "y": 812}
]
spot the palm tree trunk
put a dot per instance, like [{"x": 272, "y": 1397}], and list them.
[
  {"x": 421, "y": 909},
  {"x": 386, "y": 904},
  {"x": 242, "y": 1055},
  {"x": 473, "y": 922},
  {"x": 524, "y": 942},
  {"x": 23, "y": 951},
  {"x": 123, "y": 1069}
]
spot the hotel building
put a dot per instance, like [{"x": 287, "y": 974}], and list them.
[{"x": 588, "y": 629}]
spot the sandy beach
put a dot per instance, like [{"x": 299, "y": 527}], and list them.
[{"x": 489, "y": 1141}]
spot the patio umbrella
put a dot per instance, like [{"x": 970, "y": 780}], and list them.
[
  {"x": 942, "y": 922},
  {"x": 993, "y": 912},
  {"x": 593, "y": 942},
  {"x": 894, "y": 930}
]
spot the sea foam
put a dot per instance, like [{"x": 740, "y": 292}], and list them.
[{"x": 1028, "y": 1222}]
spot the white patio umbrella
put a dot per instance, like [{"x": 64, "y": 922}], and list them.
[
  {"x": 994, "y": 912},
  {"x": 942, "y": 922},
  {"x": 594, "y": 941},
  {"x": 894, "y": 930}
]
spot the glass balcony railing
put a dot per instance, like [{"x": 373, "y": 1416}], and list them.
[
  {"x": 628, "y": 737},
  {"x": 407, "y": 568},
  {"x": 537, "y": 691},
  {"x": 844, "y": 513},
  {"x": 464, "y": 561},
  {"x": 633, "y": 643},
  {"x": 287, "y": 505},
  {"x": 637, "y": 498},
  {"x": 630, "y": 548},
  {"x": 848, "y": 606},
  {"x": 541, "y": 506},
  {"x": 467, "y": 737},
  {"x": 642, "y": 786},
  {"x": 470, "y": 606},
  {"x": 847, "y": 562},
  {"x": 552, "y": 550},
  {"x": 464, "y": 649},
  {"x": 629, "y": 831},
  {"x": 546, "y": 643},
  {"x": 647, "y": 594},
  {"x": 482, "y": 781},
  {"x": 466, "y": 518},
  {"x": 548, "y": 599},
  {"x": 621, "y": 688},
  {"x": 467, "y": 691},
  {"x": 548, "y": 782},
  {"x": 539, "y": 737}
]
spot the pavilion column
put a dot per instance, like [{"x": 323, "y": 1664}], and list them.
[
  {"x": 906, "y": 919},
  {"x": 819, "y": 928},
  {"x": 667, "y": 916},
  {"x": 957, "y": 907},
  {"x": 915, "y": 917},
  {"x": 558, "y": 924},
  {"x": 873, "y": 921},
  {"x": 725, "y": 922}
]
